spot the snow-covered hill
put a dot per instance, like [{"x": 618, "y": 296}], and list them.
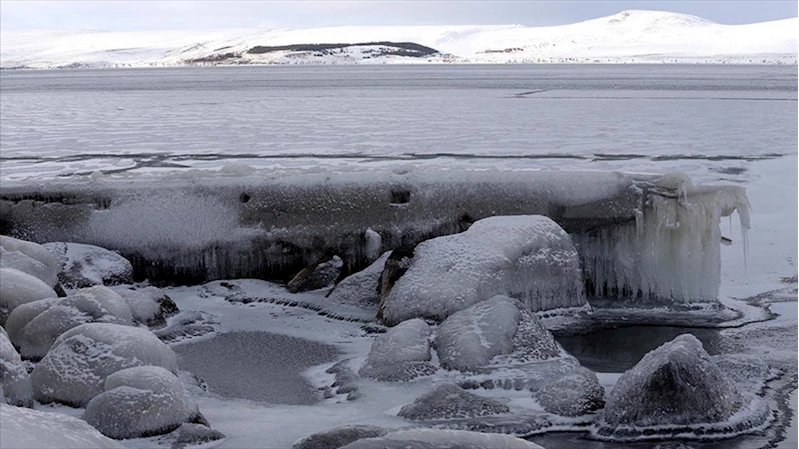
[{"x": 626, "y": 37}]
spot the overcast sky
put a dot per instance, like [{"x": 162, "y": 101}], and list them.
[{"x": 153, "y": 15}]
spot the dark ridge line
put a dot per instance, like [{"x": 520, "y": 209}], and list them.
[{"x": 405, "y": 48}]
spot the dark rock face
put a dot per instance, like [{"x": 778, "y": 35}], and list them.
[
  {"x": 675, "y": 384},
  {"x": 339, "y": 437},
  {"x": 572, "y": 395},
  {"x": 322, "y": 274},
  {"x": 396, "y": 48},
  {"x": 450, "y": 401}
]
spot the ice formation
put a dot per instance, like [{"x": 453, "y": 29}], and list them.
[
  {"x": 442, "y": 439},
  {"x": 149, "y": 305},
  {"x": 574, "y": 394},
  {"x": 339, "y": 437},
  {"x": 530, "y": 258},
  {"x": 449, "y": 401},
  {"x": 672, "y": 251},
  {"x": 319, "y": 275},
  {"x": 31, "y": 429},
  {"x": 89, "y": 305},
  {"x": 402, "y": 353},
  {"x": 88, "y": 265},
  {"x": 678, "y": 389},
  {"x": 80, "y": 360},
  {"x": 140, "y": 401},
  {"x": 30, "y": 258},
  {"x": 194, "y": 435},
  {"x": 15, "y": 383},
  {"x": 17, "y": 288},
  {"x": 362, "y": 288}
]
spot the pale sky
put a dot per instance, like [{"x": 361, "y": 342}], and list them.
[{"x": 155, "y": 15}]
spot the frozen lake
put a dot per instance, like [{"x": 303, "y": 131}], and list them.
[{"x": 619, "y": 117}]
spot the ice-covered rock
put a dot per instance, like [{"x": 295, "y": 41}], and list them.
[
  {"x": 24, "y": 428},
  {"x": 362, "y": 288},
  {"x": 89, "y": 305},
  {"x": 17, "y": 288},
  {"x": 449, "y": 401},
  {"x": 442, "y": 439},
  {"x": 402, "y": 353},
  {"x": 339, "y": 437},
  {"x": 470, "y": 338},
  {"x": 23, "y": 315},
  {"x": 88, "y": 265},
  {"x": 15, "y": 383},
  {"x": 322, "y": 274},
  {"x": 30, "y": 258},
  {"x": 138, "y": 402},
  {"x": 194, "y": 435},
  {"x": 149, "y": 305},
  {"x": 678, "y": 386},
  {"x": 574, "y": 394},
  {"x": 396, "y": 265},
  {"x": 77, "y": 365},
  {"x": 527, "y": 257}
]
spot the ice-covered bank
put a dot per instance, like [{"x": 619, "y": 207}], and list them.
[{"x": 637, "y": 235}]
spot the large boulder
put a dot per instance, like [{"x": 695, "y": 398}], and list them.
[
  {"x": 339, "y": 437},
  {"x": 322, "y": 274},
  {"x": 574, "y": 394},
  {"x": 17, "y": 288},
  {"x": 400, "y": 354},
  {"x": 449, "y": 401},
  {"x": 81, "y": 359},
  {"x": 89, "y": 305},
  {"x": 89, "y": 265},
  {"x": 149, "y": 305},
  {"x": 442, "y": 439},
  {"x": 15, "y": 383},
  {"x": 678, "y": 386},
  {"x": 26, "y": 428},
  {"x": 361, "y": 289},
  {"x": 529, "y": 258},
  {"x": 471, "y": 338},
  {"x": 30, "y": 258},
  {"x": 139, "y": 402}
]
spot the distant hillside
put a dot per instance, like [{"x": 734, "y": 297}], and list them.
[{"x": 626, "y": 37}]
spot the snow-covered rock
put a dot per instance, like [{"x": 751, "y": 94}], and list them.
[
  {"x": 362, "y": 288},
  {"x": 319, "y": 275},
  {"x": 470, "y": 338},
  {"x": 678, "y": 386},
  {"x": 88, "y": 265},
  {"x": 339, "y": 437},
  {"x": 396, "y": 265},
  {"x": 574, "y": 394},
  {"x": 149, "y": 305},
  {"x": 402, "y": 353},
  {"x": 23, "y": 315},
  {"x": 138, "y": 402},
  {"x": 442, "y": 439},
  {"x": 195, "y": 434},
  {"x": 77, "y": 365},
  {"x": 17, "y": 288},
  {"x": 449, "y": 401},
  {"x": 24, "y": 428},
  {"x": 527, "y": 257},
  {"x": 15, "y": 383},
  {"x": 30, "y": 258},
  {"x": 89, "y": 305}
]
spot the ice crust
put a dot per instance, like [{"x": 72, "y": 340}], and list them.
[
  {"x": 80, "y": 360},
  {"x": 31, "y": 429},
  {"x": 530, "y": 258},
  {"x": 402, "y": 353},
  {"x": 442, "y": 439},
  {"x": 449, "y": 401},
  {"x": 339, "y": 437},
  {"x": 88, "y": 305},
  {"x": 88, "y": 265},
  {"x": 140, "y": 401},
  {"x": 30, "y": 258},
  {"x": 17, "y": 288},
  {"x": 15, "y": 383}
]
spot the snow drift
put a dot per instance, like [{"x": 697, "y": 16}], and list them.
[{"x": 25, "y": 428}]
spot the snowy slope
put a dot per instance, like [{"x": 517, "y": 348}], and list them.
[{"x": 628, "y": 36}]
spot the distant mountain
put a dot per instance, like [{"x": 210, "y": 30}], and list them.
[{"x": 626, "y": 37}]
